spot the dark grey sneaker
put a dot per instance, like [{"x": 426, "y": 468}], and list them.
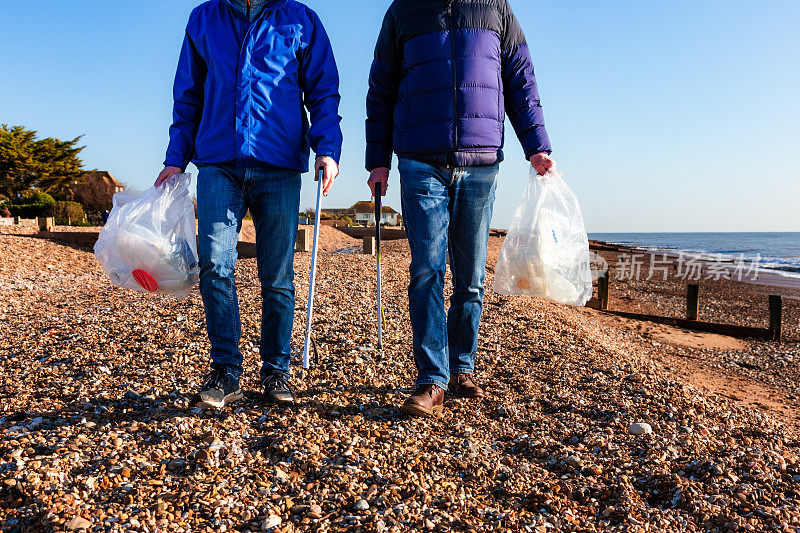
[
  {"x": 276, "y": 388},
  {"x": 220, "y": 388}
]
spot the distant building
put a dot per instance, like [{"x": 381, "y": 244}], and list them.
[
  {"x": 339, "y": 213},
  {"x": 363, "y": 213},
  {"x": 95, "y": 191}
]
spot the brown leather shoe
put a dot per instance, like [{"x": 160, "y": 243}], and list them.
[
  {"x": 461, "y": 385},
  {"x": 427, "y": 400}
]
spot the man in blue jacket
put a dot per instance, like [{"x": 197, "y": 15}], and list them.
[
  {"x": 248, "y": 71},
  {"x": 445, "y": 74}
]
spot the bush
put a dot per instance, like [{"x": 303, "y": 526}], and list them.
[
  {"x": 32, "y": 210},
  {"x": 33, "y": 197},
  {"x": 347, "y": 220},
  {"x": 69, "y": 211},
  {"x": 93, "y": 218},
  {"x": 4, "y": 212}
]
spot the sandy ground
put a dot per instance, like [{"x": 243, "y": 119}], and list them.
[
  {"x": 331, "y": 239},
  {"x": 757, "y": 372},
  {"x": 96, "y": 431}
]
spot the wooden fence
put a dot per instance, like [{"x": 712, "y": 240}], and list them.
[{"x": 773, "y": 332}]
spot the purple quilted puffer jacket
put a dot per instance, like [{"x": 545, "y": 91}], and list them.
[{"x": 445, "y": 74}]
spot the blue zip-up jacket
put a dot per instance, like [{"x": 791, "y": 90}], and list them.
[{"x": 242, "y": 89}]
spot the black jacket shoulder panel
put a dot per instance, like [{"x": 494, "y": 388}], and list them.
[
  {"x": 417, "y": 17},
  {"x": 512, "y": 35}
]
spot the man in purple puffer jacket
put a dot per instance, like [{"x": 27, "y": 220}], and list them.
[{"x": 445, "y": 74}]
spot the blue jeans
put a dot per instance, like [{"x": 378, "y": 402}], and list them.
[
  {"x": 224, "y": 194},
  {"x": 446, "y": 211}
]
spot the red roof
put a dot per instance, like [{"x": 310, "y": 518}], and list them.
[
  {"x": 369, "y": 207},
  {"x": 103, "y": 177}
]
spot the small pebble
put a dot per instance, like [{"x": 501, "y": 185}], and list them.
[
  {"x": 131, "y": 395},
  {"x": 640, "y": 428},
  {"x": 361, "y": 505}
]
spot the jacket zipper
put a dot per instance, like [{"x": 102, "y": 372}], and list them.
[
  {"x": 245, "y": 40},
  {"x": 248, "y": 126},
  {"x": 453, "y": 72}
]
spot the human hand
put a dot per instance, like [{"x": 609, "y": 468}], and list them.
[
  {"x": 542, "y": 163},
  {"x": 166, "y": 174},
  {"x": 330, "y": 171},
  {"x": 379, "y": 175}
]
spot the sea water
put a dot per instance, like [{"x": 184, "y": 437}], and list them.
[{"x": 776, "y": 251}]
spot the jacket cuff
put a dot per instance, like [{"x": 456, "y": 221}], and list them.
[
  {"x": 172, "y": 162},
  {"x": 378, "y": 157},
  {"x": 332, "y": 153},
  {"x": 535, "y": 142}
]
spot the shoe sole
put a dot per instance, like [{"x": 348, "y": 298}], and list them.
[
  {"x": 230, "y": 398},
  {"x": 417, "y": 411}
]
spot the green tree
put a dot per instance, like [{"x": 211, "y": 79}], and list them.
[
  {"x": 26, "y": 162},
  {"x": 33, "y": 196}
]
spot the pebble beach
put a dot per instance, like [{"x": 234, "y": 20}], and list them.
[{"x": 593, "y": 422}]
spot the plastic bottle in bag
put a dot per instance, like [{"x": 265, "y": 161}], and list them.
[
  {"x": 546, "y": 251},
  {"x": 148, "y": 243}
]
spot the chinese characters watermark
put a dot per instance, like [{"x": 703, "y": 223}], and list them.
[{"x": 686, "y": 266}]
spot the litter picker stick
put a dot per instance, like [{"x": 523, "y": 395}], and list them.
[
  {"x": 378, "y": 257},
  {"x": 312, "y": 280}
]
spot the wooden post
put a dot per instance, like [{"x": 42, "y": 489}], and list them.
[
  {"x": 46, "y": 224},
  {"x": 602, "y": 290},
  {"x": 303, "y": 243},
  {"x": 692, "y": 301},
  {"x": 775, "y": 316},
  {"x": 16, "y": 220},
  {"x": 369, "y": 245}
]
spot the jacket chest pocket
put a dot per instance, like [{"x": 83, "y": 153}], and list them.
[{"x": 276, "y": 47}]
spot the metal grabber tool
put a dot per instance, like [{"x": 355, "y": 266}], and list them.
[
  {"x": 381, "y": 319},
  {"x": 312, "y": 280}
]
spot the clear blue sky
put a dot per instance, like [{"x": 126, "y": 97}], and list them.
[{"x": 664, "y": 116}]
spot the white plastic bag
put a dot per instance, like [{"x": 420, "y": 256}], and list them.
[
  {"x": 546, "y": 252},
  {"x": 148, "y": 243}
]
